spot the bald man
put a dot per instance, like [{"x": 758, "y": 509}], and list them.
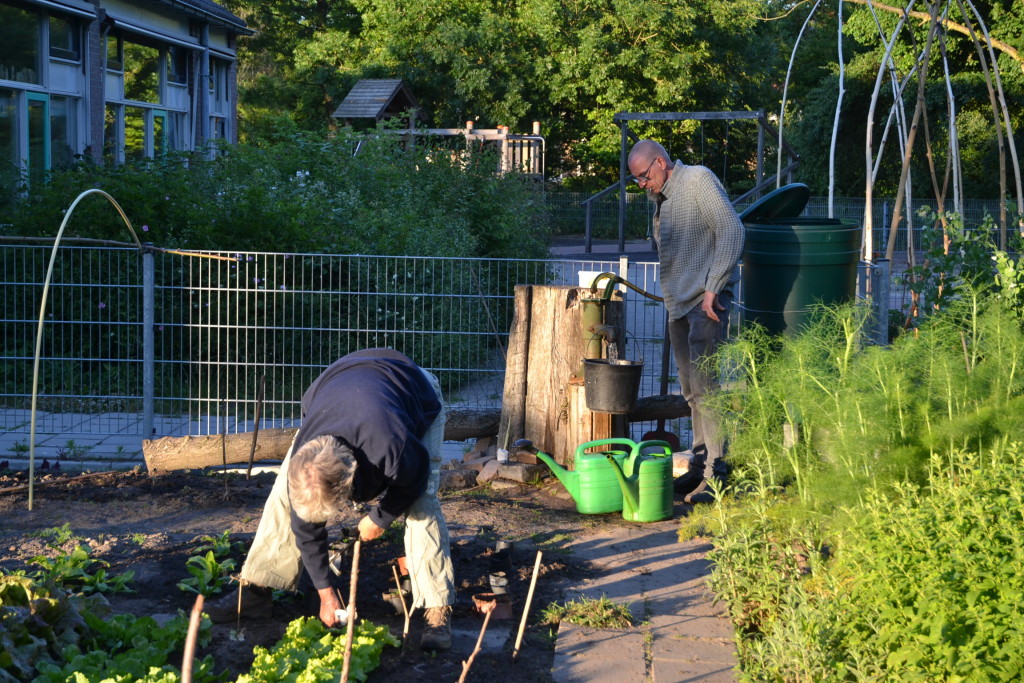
[{"x": 699, "y": 238}]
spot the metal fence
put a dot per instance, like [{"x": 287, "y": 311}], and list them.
[
  {"x": 145, "y": 344},
  {"x": 137, "y": 345}
]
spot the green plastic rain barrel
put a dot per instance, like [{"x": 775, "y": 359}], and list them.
[{"x": 792, "y": 262}]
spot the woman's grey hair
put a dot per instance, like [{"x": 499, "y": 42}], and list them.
[{"x": 320, "y": 478}]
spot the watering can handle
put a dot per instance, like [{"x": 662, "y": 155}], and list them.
[
  {"x": 667, "y": 448},
  {"x": 629, "y": 443}
]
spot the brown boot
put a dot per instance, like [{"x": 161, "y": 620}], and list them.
[
  {"x": 256, "y": 604},
  {"x": 438, "y": 633}
]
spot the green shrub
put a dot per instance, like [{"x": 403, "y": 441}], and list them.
[
  {"x": 303, "y": 194},
  {"x": 923, "y": 583}
]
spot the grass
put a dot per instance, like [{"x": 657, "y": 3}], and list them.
[{"x": 591, "y": 612}]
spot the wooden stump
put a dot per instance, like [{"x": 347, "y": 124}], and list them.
[{"x": 544, "y": 397}]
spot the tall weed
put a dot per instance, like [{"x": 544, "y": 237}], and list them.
[{"x": 822, "y": 415}]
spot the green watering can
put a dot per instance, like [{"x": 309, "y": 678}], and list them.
[
  {"x": 647, "y": 488},
  {"x": 593, "y": 484}
]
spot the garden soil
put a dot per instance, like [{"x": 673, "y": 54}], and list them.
[{"x": 152, "y": 524}]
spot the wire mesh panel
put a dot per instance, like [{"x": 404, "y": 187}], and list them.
[
  {"x": 250, "y": 331},
  {"x": 90, "y": 368}
]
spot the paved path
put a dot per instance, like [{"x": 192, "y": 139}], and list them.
[{"x": 680, "y": 637}]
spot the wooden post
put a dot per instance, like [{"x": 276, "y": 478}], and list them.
[{"x": 513, "y": 402}]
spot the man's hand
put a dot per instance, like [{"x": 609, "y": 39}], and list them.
[
  {"x": 710, "y": 305},
  {"x": 369, "y": 531},
  {"x": 328, "y": 604}
]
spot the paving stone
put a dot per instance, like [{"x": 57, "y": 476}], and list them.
[
  {"x": 598, "y": 655},
  {"x": 478, "y": 463},
  {"x": 464, "y": 639},
  {"x": 489, "y": 472},
  {"x": 525, "y": 474},
  {"x": 721, "y": 651},
  {"x": 673, "y": 671},
  {"x": 681, "y": 626}
]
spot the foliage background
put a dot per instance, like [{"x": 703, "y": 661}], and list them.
[{"x": 573, "y": 65}]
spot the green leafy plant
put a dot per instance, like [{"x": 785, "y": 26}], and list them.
[
  {"x": 208, "y": 574},
  {"x": 58, "y": 535},
  {"x": 73, "y": 451},
  {"x": 221, "y": 546},
  {"x": 593, "y": 612},
  {"x": 317, "y": 653},
  {"x": 78, "y": 570}
]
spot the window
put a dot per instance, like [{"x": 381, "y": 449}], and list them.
[
  {"x": 65, "y": 39},
  {"x": 177, "y": 64},
  {"x": 111, "y": 133},
  {"x": 62, "y": 131},
  {"x": 19, "y": 59},
  {"x": 134, "y": 133},
  {"x": 115, "y": 53},
  {"x": 38, "y": 137},
  {"x": 141, "y": 73},
  {"x": 9, "y": 156}
]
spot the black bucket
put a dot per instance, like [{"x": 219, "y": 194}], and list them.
[{"x": 611, "y": 386}]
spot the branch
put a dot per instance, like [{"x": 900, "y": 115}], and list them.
[{"x": 949, "y": 26}]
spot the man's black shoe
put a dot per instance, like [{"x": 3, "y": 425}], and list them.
[{"x": 687, "y": 483}]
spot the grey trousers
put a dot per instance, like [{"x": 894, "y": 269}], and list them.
[
  {"x": 274, "y": 560},
  {"x": 694, "y": 337}
]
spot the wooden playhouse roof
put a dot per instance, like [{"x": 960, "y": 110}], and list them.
[{"x": 376, "y": 98}]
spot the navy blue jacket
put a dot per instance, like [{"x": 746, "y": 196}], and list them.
[{"x": 380, "y": 404}]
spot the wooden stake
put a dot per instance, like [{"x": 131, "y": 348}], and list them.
[
  {"x": 405, "y": 610},
  {"x": 190, "y": 640},
  {"x": 526, "y": 607},
  {"x": 256, "y": 425},
  {"x": 351, "y": 610},
  {"x": 469, "y": 662}
]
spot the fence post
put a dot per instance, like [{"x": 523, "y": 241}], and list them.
[
  {"x": 148, "y": 361},
  {"x": 880, "y": 300},
  {"x": 588, "y": 239}
]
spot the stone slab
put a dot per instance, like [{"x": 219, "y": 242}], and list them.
[
  {"x": 687, "y": 649},
  {"x": 672, "y": 671},
  {"x": 524, "y": 474},
  {"x": 598, "y": 655},
  {"x": 495, "y": 637}
]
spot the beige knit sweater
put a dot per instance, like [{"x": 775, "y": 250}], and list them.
[{"x": 699, "y": 238}]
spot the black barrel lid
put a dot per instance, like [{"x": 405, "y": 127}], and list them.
[{"x": 787, "y": 201}]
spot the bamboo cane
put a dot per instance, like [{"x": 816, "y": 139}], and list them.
[
  {"x": 190, "y": 640},
  {"x": 351, "y": 610},
  {"x": 526, "y": 607},
  {"x": 405, "y": 610},
  {"x": 469, "y": 662}
]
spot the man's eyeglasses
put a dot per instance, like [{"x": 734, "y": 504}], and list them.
[{"x": 643, "y": 177}]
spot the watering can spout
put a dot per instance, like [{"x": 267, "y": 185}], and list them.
[
  {"x": 570, "y": 480},
  {"x": 630, "y": 486}
]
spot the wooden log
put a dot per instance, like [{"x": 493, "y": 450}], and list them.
[
  {"x": 472, "y": 423},
  {"x": 198, "y": 452},
  {"x": 665, "y": 407}
]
